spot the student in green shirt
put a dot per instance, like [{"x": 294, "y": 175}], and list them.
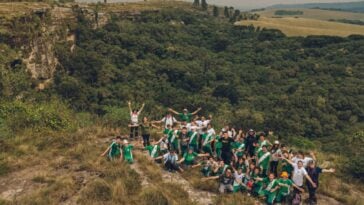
[
  {"x": 263, "y": 159},
  {"x": 239, "y": 147},
  {"x": 114, "y": 149},
  {"x": 270, "y": 190},
  {"x": 256, "y": 177},
  {"x": 173, "y": 138},
  {"x": 218, "y": 146},
  {"x": 184, "y": 140},
  {"x": 127, "y": 152},
  {"x": 206, "y": 141},
  {"x": 153, "y": 150},
  {"x": 190, "y": 156},
  {"x": 207, "y": 166},
  {"x": 287, "y": 167},
  {"x": 193, "y": 140},
  {"x": 185, "y": 116},
  {"x": 285, "y": 185}
]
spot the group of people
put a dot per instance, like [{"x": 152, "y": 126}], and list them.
[{"x": 240, "y": 161}]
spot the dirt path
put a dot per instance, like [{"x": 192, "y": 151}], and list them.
[{"x": 20, "y": 182}]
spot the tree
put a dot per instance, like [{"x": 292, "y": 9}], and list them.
[
  {"x": 204, "y": 5},
  {"x": 215, "y": 11},
  {"x": 196, "y": 3},
  {"x": 226, "y": 12}
]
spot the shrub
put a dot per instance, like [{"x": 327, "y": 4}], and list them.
[
  {"x": 153, "y": 196},
  {"x": 96, "y": 191}
]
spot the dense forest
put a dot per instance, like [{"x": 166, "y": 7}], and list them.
[
  {"x": 308, "y": 87},
  {"x": 244, "y": 76}
]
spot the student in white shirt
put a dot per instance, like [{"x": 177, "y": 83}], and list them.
[{"x": 134, "y": 120}]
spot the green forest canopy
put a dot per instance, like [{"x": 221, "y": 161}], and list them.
[{"x": 308, "y": 87}]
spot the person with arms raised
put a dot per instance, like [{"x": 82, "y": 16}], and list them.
[
  {"x": 185, "y": 116},
  {"x": 134, "y": 120}
]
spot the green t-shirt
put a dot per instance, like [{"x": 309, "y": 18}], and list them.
[
  {"x": 287, "y": 168},
  {"x": 127, "y": 151},
  {"x": 285, "y": 189},
  {"x": 239, "y": 145},
  {"x": 173, "y": 136},
  {"x": 263, "y": 159},
  {"x": 218, "y": 144},
  {"x": 145, "y": 128},
  {"x": 190, "y": 158},
  {"x": 185, "y": 117},
  {"x": 114, "y": 149},
  {"x": 270, "y": 184},
  {"x": 193, "y": 137},
  {"x": 205, "y": 140},
  {"x": 166, "y": 131},
  {"x": 153, "y": 150}
]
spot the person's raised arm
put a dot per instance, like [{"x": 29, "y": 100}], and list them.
[
  {"x": 288, "y": 160},
  {"x": 129, "y": 105},
  {"x": 313, "y": 156},
  {"x": 141, "y": 109},
  {"x": 203, "y": 155},
  {"x": 196, "y": 111},
  {"x": 173, "y": 111},
  {"x": 331, "y": 170}
]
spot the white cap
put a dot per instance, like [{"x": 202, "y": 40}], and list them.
[
  {"x": 276, "y": 142},
  {"x": 125, "y": 142}
]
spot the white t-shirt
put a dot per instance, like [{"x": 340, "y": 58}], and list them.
[
  {"x": 168, "y": 120},
  {"x": 238, "y": 178},
  {"x": 173, "y": 157},
  {"x": 304, "y": 161},
  {"x": 298, "y": 175},
  {"x": 211, "y": 132},
  {"x": 276, "y": 154},
  {"x": 134, "y": 118},
  {"x": 192, "y": 128}
]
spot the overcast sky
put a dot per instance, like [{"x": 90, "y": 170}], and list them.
[{"x": 264, "y": 3}]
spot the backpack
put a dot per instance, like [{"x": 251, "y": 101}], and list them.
[{"x": 296, "y": 199}]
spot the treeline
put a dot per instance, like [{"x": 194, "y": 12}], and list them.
[{"x": 296, "y": 86}]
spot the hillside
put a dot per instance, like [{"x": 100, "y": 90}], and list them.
[
  {"x": 357, "y": 6},
  {"x": 316, "y": 14},
  {"x": 305, "y": 26},
  {"x": 67, "y": 72}
]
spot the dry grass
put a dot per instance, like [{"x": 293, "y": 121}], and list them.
[
  {"x": 15, "y": 9},
  {"x": 317, "y": 14},
  {"x": 303, "y": 27}
]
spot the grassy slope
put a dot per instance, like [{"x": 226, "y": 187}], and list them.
[
  {"x": 303, "y": 27},
  {"x": 312, "y": 22},
  {"x": 317, "y": 14}
]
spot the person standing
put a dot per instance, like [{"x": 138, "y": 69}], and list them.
[
  {"x": 314, "y": 172},
  {"x": 114, "y": 150},
  {"x": 145, "y": 128},
  {"x": 226, "y": 146},
  {"x": 134, "y": 120},
  {"x": 263, "y": 159},
  {"x": 185, "y": 116},
  {"x": 127, "y": 152},
  {"x": 250, "y": 139},
  {"x": 276, "y": 154},
  {"x": 167, "y": 120}
]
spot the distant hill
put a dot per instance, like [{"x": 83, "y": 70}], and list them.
[{"x": 346, "y": 6}]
